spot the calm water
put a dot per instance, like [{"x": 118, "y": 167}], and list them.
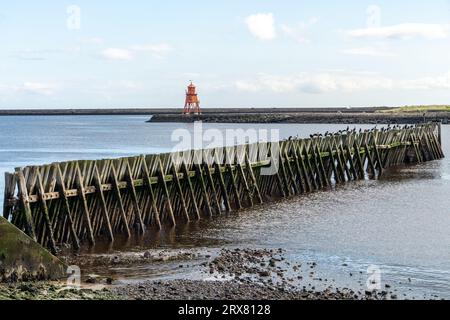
[{"x": 400, "y": 223}]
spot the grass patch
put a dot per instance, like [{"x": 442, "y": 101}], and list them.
[{"x": 422, "y": 109}]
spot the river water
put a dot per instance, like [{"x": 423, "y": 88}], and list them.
[{"x": 399, "y": 223}]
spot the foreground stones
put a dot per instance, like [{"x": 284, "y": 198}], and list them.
[
  {"x": 231, "y": 274},
  {"x": 244, "y": 274}
]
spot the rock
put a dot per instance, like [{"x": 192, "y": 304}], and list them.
[
  {"x": 92, "y": 278},
  {"x": 264, "y": 273}
]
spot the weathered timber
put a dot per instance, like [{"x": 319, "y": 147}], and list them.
[{"x": 80, "y": 201}]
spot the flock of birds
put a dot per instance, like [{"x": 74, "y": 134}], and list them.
[{"x": 352, "y": 131}]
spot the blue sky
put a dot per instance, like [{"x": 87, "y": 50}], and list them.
[{"x": 253, "y": 53}]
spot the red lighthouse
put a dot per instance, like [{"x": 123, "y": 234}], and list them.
[{"x": 192, "y": 104}]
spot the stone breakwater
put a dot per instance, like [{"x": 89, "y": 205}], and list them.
[{"x": 307, "y": 117}]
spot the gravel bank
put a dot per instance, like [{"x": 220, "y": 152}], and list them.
[{"x": 231, "y": 274}]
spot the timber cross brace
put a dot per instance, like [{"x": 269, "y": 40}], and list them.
[{"x": 78, "y": 201}]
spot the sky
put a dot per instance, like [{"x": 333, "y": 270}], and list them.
[{"x": 252, "y": 53}]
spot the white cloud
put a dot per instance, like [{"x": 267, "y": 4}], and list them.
[
  {"x": 40, "y": 88},
  {"x": 427, "y": 83},
  {"x": 299, "y": 32},
  {"x": 375, "y": 51},
  {"x": 262, "y": 26},
  {"x": 403, "y": 31},
  {"x": 117, "y": 54},
  {"x": 125, "y": 54},
  {"x": 339, "y": 81},
  {"x": 314, "y": 83},
  {"x": 157, "y": 50}
]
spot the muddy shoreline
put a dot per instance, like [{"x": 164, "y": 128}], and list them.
[
  {"x": 338, "y": 117},
  {"x": 231, "y": 274}
]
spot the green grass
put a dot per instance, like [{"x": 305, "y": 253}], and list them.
[{"x": 410, "y": 109}]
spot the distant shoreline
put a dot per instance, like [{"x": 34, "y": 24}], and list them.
[
  {"x": 357, "y": 115},
  {"x": 176, "y": 111}
]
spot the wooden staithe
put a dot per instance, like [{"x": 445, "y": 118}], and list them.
[{"x": 80, "y": 201}]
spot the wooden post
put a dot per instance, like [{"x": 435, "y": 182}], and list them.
[
  {"x": 119, "y": 201},
  {"x": 82, "y": 196},
  {"x": 10, "y": 186},
  {"x": 308, "y": 183},
  {"x": 337, "y": 177},
  {"x": 369, "y": 158},
  {"x": 246, "y": 186},
  {"x": 223, "y": 188},
  {"x": 213, "y": 187},
  {"x": 180, "y": 192},
  {"x": 103, "y": 207},
  {"x": 362, "y": 172},
  {"x": 63, "y": 194},
  {"x": 25, "y": 204},
  {"x": 137, "y": 210},
  {"x": 322, "y": 170},
  {"x": 291, "y": 172},
  {"x": 44, "y": 208},
  {"x": 187, "y": 176},
  {"x": 201, "y": 180},
  {"x": 234, "y": 186},
  {"x": 252, "y": 176},
  {"x": 162, "y": 180},
  {"x": 148, "y": 184},
  {"x": 309, "y": 167}
]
